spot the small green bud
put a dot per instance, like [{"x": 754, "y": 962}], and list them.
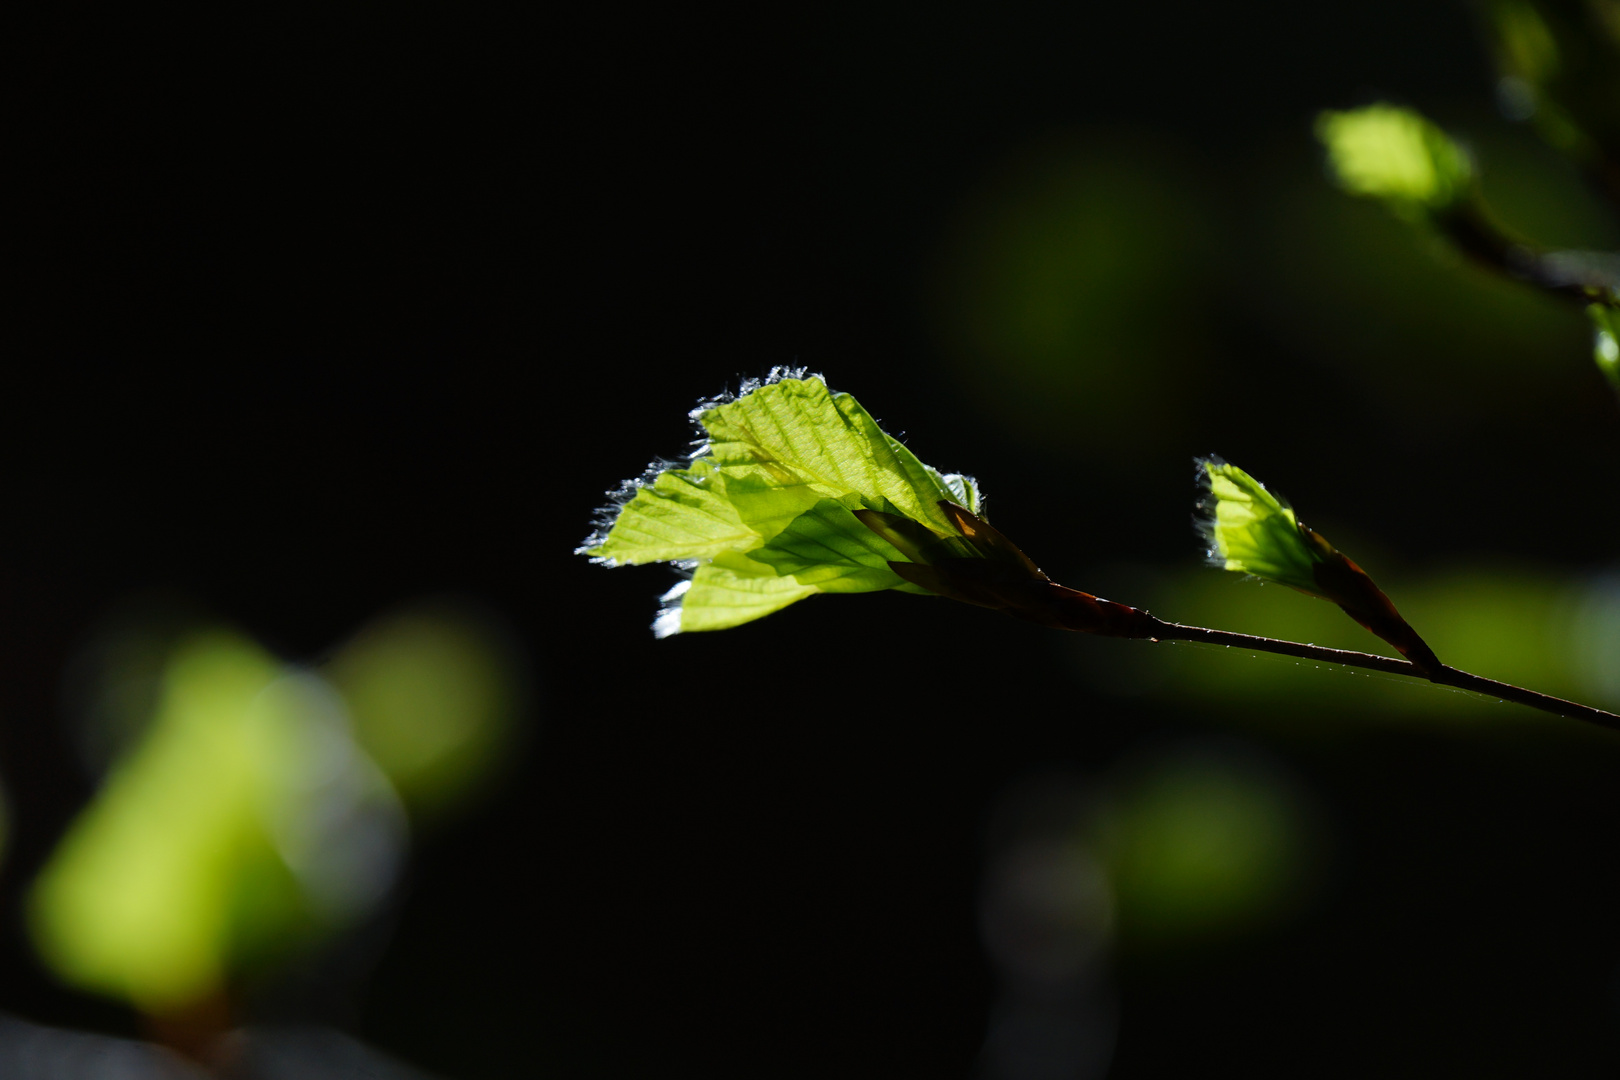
[
  {"x": 1394, "y": 154},
  {"x": 1252, "y": 531}
]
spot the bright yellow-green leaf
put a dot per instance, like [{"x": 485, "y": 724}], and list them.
[
  {"x": 796, "y": 430},
  {"x": 680, "y": 514},
  {"x": 1252, "y": 531},
  {"x": 763, "y": 514},
  {"x": 1394, "y": 154},
  {"x": 137, "y": 900},
  {"x": 242, "y": 822},
  {"x": 827, "y": 547},
  {"x": 728, "y": 591}
]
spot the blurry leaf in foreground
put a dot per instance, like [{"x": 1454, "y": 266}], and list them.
[
  {"x": 764, "y": 512},
  {"x": 1251, "y": 531},
  {"x": 243, "y": 822},
  {"x": 433, "y": 691},
  {"x": 1394, "y": 154}
]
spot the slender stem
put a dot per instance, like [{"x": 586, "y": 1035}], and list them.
[
  {"x": 1348, "y": 657},
  {"x": 1444, "y": 676}
]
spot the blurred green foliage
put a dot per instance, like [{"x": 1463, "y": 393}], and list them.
[
  {"x": 1067, "y": 294},
  {"x": 173, "y": 875},
  {"x": 1395, "y": 155},
  {"x": 1536, "y": 191},
  {"x": 1560, "y": 62},
  {"x": 434, "y": 696},
  {"x": 1400, "y": 158},
  {"x": 1393, "y": 308},
  {"x": 255, "y": 810},
  {"x": 1086, "y": 289},
  {"x": 1202, "y": 844}
]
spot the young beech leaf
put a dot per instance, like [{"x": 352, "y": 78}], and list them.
[
  {"x": 1252, "y": 531},
  {"x": 795, "y": 491},
  {"x": 728, "y": 591},
  {"x": 764, "y": 513},
  {"x": 1394, "y": 154},
  {"x": 828, "y": 547}
]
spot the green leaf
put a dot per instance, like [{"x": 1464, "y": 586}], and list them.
[
  {"x": 964, "y": 490},
  {"x": 1396, "y": 155},
  {"x": 681, "y": 514},
  {"x": 796, "y": 431},
  {"x": 766, "y": 503},
  {"x": 729, "y": 591},
  {"x": 764, "y": 513},
  {"x": 827, "y": 547},
  {"x": 1252, "y": 531},
  {"x": 229, "y": 834}
]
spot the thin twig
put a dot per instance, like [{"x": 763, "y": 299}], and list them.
[{"x": 1444, "y": 676}]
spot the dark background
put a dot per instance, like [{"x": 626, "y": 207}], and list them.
[{"x": 318, "y": 310}]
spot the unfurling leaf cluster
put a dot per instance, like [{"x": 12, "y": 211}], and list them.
[{"x": 763, "y": 514}]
